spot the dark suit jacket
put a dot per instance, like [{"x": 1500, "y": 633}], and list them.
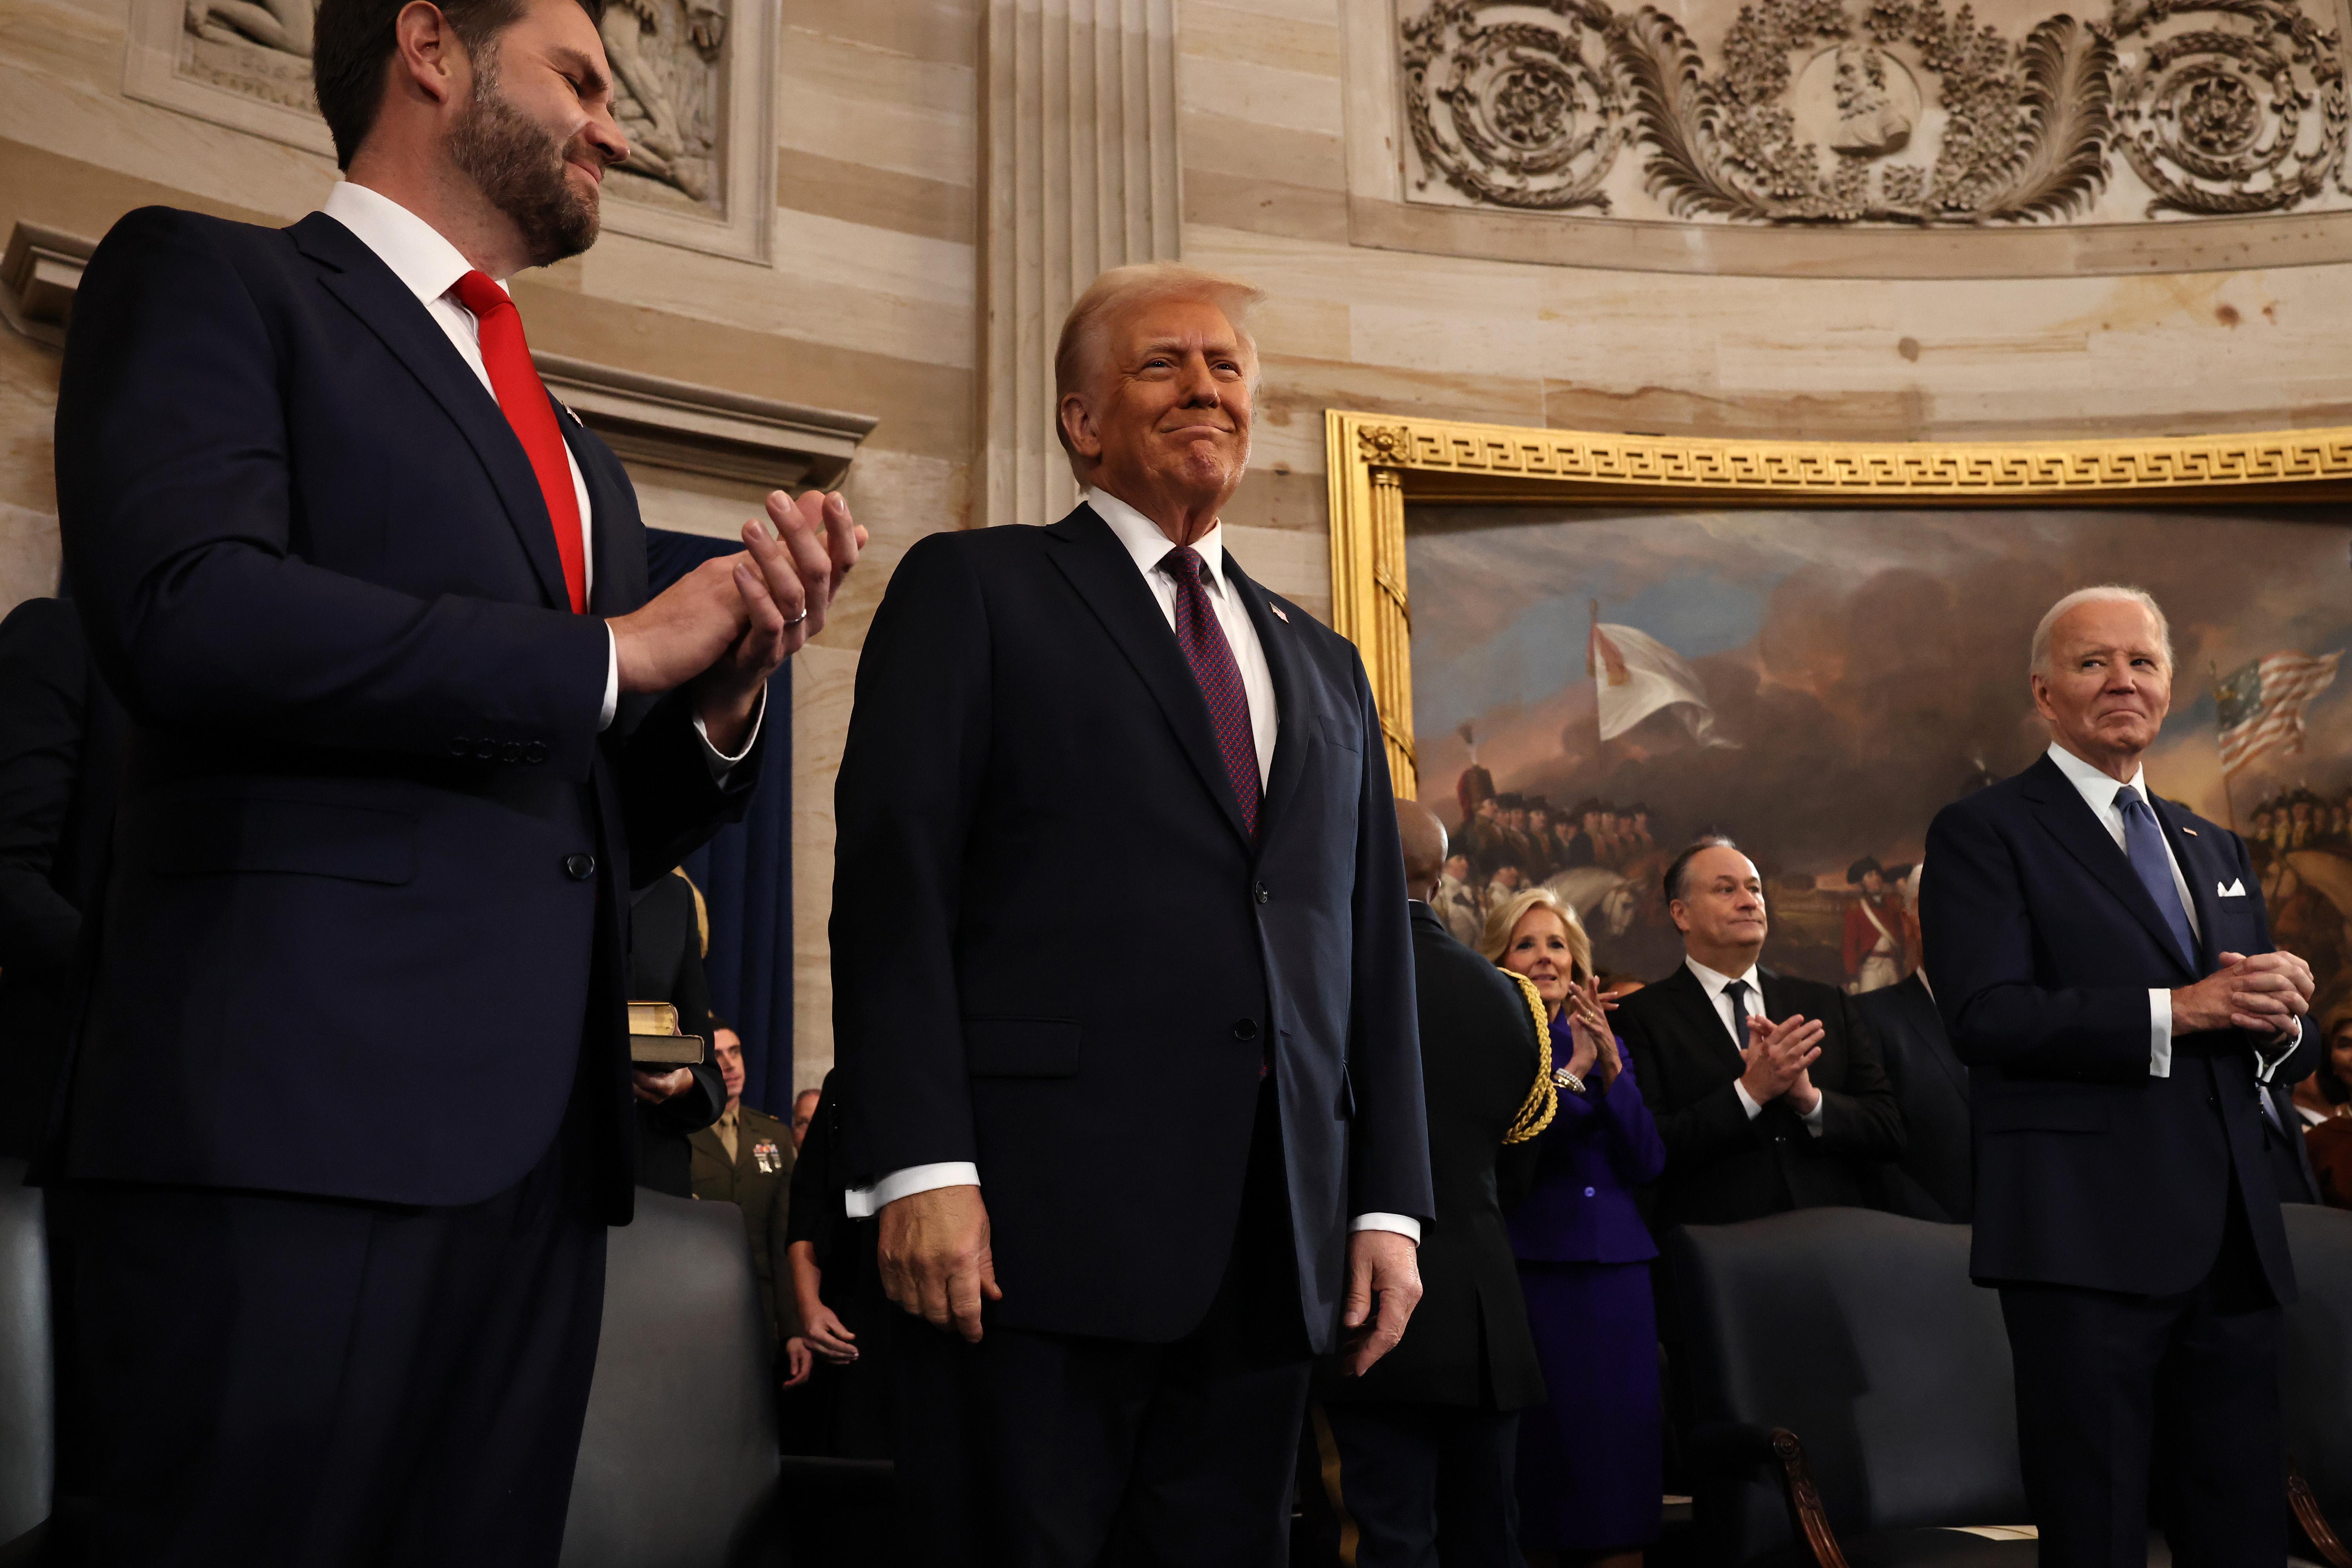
[
  {"x": 1722, "y": 1165},
  {"x": 758, "y": 1180},
  {"x": 1933, "y": 1179},
  {"x": 1468, "y": 1343},
  {"x": 2043, "y": 946},
  {"x": 1056, "y": 952},
  {"x": 372, "y": 843},
  {"x": 666, "y": 965},
  {"x": 2287, "y": 1149},
  {"x": 61, "y": 737}
]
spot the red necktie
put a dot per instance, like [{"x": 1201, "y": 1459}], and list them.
[{"x": 523, "y": 397}]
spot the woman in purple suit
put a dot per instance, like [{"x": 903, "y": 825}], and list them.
[{"x": 1589, "y": 1461}]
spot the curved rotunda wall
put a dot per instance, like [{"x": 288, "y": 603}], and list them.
[{"x": 1398, "y": 287}]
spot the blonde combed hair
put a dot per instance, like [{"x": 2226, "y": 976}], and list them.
[
  {"x": 1078, "y": 358},
  {"x": 1504, "y": 919}
]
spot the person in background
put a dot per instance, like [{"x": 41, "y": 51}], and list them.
[
  {"x": 2322, "y": 1105},
  {"x": 845, "y": 1409},
  {"x": 1589, "y": 1461},
  {"x": 1936, "y": 1176},
  {"x": 1768, "y": 1089},
  {"x": 1874, "y": 931},
  {"x": 670, "y": 932},
  {"x": 1418, "y": 1453},
  {"x": 1456, "y": 902},
  {"x": 804, "y": 1111},
  {"x": 1504, "y": 883},
  {"x": 745, "y": 1158}
]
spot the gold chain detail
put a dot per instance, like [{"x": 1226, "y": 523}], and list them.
[{"x": 1543, "y": 1099}]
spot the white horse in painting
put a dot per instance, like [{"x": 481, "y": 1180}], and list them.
[{"x": 1604, "y": 901}]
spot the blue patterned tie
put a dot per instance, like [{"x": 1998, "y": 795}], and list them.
[{"x": 2144, "y": 845}]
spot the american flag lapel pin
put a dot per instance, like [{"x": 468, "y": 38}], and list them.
[
  {"x": 1278, "y": 611},
  {"x": 2190, "y": 831}
]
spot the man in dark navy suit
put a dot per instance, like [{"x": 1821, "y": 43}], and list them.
[
  {"x": 1136, "y": 1155},
  {"x": 1934, "y": 1178},
  {"x": 2102, "y": 962},
  {"x": 405, "y": 731}
]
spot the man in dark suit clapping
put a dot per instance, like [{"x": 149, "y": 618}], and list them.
[
  {"x": 407, "y": 727},
  {"x": 2103, "y": 960},
  {"x": 1426, "y": 1442},
  {"x": 1767, "y": 1089},
  {"x": 1136, "y": 1156}
]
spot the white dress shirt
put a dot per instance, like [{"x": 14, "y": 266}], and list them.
[
  {"x": 2098, "y": 791},
  {"x": 1148, "y": 546},
  {"x": 1752, "y": 1007},
  {"x": 430, "y": 266}
]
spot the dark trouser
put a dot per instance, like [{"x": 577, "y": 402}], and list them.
[
  {"x": 2114, "y": 1388},
  {"x": 302, "y": 1381},
  {"x": 1036, "y": 1450},
  {"x": 1422, "y": 1484}
]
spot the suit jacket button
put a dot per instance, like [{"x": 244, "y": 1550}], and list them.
[
  {"x": 461, "y": 746},
  {"x": 1245, "y": 1029},
  {"x": 1262, "y": 896},
  {"x": 535, "y": 753},
  {"x": 1588, "y": 1192},
  {"x": 580, "y": 868}
]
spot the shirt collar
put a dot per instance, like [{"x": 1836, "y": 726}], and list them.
[
  {"x": 1148, "y": 546},
  {"x": 423, "y": 261},
  {"x": 2097, "y": 789},
  {"x": 1715, "y": 983}
]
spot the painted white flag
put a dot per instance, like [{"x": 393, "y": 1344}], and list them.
[{"x": 1637, "y": 675}]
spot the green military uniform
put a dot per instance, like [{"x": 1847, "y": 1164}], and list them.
[{"x": 756, "y": 1173}]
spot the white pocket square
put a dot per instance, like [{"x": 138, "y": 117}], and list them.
[{"x": 2236, "y": 890}]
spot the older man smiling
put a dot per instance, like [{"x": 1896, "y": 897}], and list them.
[{"x": 1136, "y": 1155}]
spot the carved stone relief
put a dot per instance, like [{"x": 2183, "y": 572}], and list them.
[
  {"x": 691, "y": 89},
  {"x": 1877, "y": 112}
]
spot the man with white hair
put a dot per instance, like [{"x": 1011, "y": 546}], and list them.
[
  {"x": 1135, "y": 1158},
  {"x": 2105, "y": 966}
]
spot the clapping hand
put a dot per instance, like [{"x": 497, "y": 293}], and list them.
[
  {"x": 2267, "y": 993},
  {"x": 1778, "y": 1057},
  {"x": 1596, "y": 1042}
]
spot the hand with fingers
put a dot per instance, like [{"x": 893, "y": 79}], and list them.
[
  {"x": 732, "y": 621},
  {"x": 1383, "y": 1288},
  {"x": 2267, "y": 993},
  {"x": 1778, "y": 1056},
  {"x": 935, "y": 1258},
  {"x": 798, "y": 1361},
  {"x": 1596, "y": 1042}
]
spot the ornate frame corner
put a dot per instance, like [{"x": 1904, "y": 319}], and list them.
[{"x": 1376, "y": 463}]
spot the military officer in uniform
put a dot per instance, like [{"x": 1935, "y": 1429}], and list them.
[{"x": 745, "y": 1158}]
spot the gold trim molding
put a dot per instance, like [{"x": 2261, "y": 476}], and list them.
[{"x": 1378, "y": 463}]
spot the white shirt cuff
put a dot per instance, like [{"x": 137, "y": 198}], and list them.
[
  {"x": 1813, "y": 1118},
  {"x": 1746, "y": 1100},
  {"x": 1403, "y": 1224},
  {"x": 722, "y": 764},
  {"x": 2159, "y": 1034},
  {"x": 864, "y": 1203},
  {"x": 612, "y": 681}
]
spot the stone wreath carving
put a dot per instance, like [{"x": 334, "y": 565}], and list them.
[{"x": 1894, "y": 111}]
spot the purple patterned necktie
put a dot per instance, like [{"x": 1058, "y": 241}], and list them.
[{"x": 1211, "y": 658}]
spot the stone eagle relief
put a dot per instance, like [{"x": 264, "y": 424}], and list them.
[{"x": 1878, "y": 112}]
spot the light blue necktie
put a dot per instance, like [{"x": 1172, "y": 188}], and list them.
[{"x": 2144, "y": 843}]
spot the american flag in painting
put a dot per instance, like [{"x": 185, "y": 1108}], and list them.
[{"x": 2260, "y": 704}]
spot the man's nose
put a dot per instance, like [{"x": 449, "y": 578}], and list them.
[
  {"x": 606, "y": 135},
  {"x": 1199, "y": 387}
]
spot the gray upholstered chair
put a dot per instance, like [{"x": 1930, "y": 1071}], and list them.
[
  {"x": 27, "y": 1450},
  {"x": 677, "y": 1463},
  {"x": 2317, "y": 1373}
]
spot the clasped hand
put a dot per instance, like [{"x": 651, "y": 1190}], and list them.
[
  {"x": 728, "y": 623},
  {"x": 2266, "y": 994},
  {"x": 1779, "y": 1057},
  {"x": 1593, "y": 1057}
]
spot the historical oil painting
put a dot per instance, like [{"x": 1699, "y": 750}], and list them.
[{"x": 1593, "y": 688}]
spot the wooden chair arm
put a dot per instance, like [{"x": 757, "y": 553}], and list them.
[
  {"x": 1783, "y": 1449},
  {"x": 2315, "y": 1528}
]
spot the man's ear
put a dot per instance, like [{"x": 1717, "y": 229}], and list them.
[
  {"x": 426, "y": 54},
  {"x": 1079, "y": 423}
]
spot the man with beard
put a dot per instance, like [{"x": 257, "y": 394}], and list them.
[{"x": 406, "y": 730}]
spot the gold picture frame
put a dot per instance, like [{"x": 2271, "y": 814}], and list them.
[{"x": 1379, "y": 462}]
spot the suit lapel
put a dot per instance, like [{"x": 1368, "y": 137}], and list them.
[
  {"x": 620, "y": 581},
  {"x": 1703, "y": 1013},
  {"x": 368, "y": 289},
  {"x": 2203, "y": 890},
  {"x": 1929, "y": 1025},
  {"x": 1090, "y": 556},
  {"x": 1293, "y": 720},
  {"x": 2059, "y": 807}
]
